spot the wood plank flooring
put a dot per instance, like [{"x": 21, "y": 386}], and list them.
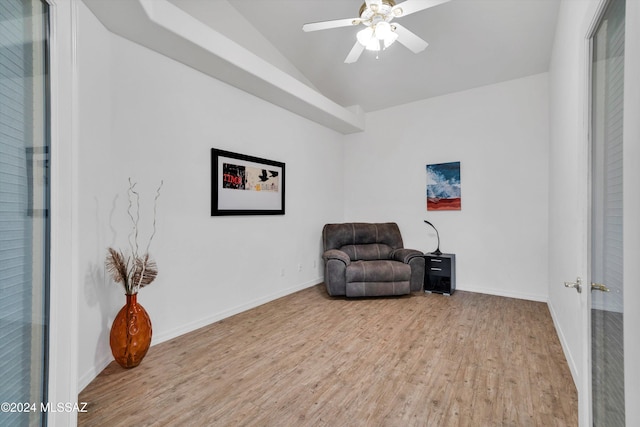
[{"x": 311, "y": 360}]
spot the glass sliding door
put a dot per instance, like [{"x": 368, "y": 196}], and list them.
[
  {"x": 24, "y": 210},
  {"x": 607, "y": 318}
]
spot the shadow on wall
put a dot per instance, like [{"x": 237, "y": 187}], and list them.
[{"x": 99, "y": 289}]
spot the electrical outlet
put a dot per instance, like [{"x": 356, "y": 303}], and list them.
[
  {"x": 282, "y": 272},
  {"x": 299, "y": 267}
]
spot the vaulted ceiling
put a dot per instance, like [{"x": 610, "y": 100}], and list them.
[
  {"x": 259, "y": 46},
  {"x": 471, "y": 43}
]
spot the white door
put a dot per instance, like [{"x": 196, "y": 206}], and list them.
[{"x": 614, "y": 212}]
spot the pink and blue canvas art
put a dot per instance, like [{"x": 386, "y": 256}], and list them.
[{"x": 443, "y": 187}]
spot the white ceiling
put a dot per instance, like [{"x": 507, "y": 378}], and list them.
[{"x": 472, "y": 43}]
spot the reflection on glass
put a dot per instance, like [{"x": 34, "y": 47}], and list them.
[{"x": 24, "y": 209}]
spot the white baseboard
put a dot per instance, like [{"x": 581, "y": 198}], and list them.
[
  {"x": 87, "y": 377},
  {"x": 507, "y": 294},
  {"x": 565, "y": 348}
]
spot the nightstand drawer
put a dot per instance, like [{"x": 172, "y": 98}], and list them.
[
  {"x": 438, "y": 266},
  {"x": 440, "y": 273}
]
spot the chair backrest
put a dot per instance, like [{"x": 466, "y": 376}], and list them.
[{"x": 363, "y": 241}]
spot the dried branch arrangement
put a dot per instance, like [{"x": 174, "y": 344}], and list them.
[{"x": 134, "y": 270}]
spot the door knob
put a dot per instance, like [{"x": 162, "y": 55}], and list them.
[
  {"x": 577, "y": 285},
  {"x": 599, "y": 287}
]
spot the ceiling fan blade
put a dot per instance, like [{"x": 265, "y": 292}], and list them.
[
  {"x": 355, "y": 53},
  {"x": 325, "y": 25},
  {"x": 409, "y": 39},
  {"x": 411, "y": 6}
]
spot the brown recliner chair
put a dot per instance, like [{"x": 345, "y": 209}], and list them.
[{"x": 365, "y": 260}]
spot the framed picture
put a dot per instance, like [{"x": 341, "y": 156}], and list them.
[
  {"x": 443, "y": 187},
  {"x": 245, "y": 185}
]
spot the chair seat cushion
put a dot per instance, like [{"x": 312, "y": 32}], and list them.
[
  {"x": 377, "y": 289},
  {"x": 378, "y": 271}
]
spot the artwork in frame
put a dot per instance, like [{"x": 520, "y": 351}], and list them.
[
  {"x": 443, "y": 187},
  {"x": 246, "y": 185}
]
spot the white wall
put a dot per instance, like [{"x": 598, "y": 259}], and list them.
[
  {"x": 97, "y": 185},
  {"x": 150, "y": 118},
  {"x": 499, "y": 133}
]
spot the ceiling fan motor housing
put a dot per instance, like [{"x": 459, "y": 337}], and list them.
[{"x": 377, "y": 12}]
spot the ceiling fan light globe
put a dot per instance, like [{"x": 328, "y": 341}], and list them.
[
  {"x": 374, "y": 44},
  {"x": 365, "y": 36},
  {"x": 383, "y": 30},
  {"x": 388, "y": 41}
]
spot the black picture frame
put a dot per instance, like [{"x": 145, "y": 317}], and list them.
[{"x": 246, "y": 185}]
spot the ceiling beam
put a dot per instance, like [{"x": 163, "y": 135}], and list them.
[{"x": 168, "y": 30}]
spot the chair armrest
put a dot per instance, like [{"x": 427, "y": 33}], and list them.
[
  {"x": 338, "y": 255},
  {"x": 405, "y": 255}
]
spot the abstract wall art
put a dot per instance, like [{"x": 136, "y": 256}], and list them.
[{"x": 443, "y": 187}]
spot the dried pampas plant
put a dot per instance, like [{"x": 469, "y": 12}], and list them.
[
  {"x": 145, "y": 271},
  {"x": 117, "y": 266},
  {"x": 134, "y": 271}
]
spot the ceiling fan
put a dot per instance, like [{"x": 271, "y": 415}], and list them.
[{"x": 376, "y": 16}]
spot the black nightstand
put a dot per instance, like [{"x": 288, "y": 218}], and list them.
[{"x": 440, "y": 273}]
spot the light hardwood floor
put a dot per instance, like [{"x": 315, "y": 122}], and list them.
[{"x": 311, "y": 360}]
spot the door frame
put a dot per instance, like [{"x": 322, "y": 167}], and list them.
[
  {"x": 585, "y": 413},
  {"x": 64, "y": 282}
]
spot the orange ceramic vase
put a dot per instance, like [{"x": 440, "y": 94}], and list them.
[{"x": 130, "y": 334}]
